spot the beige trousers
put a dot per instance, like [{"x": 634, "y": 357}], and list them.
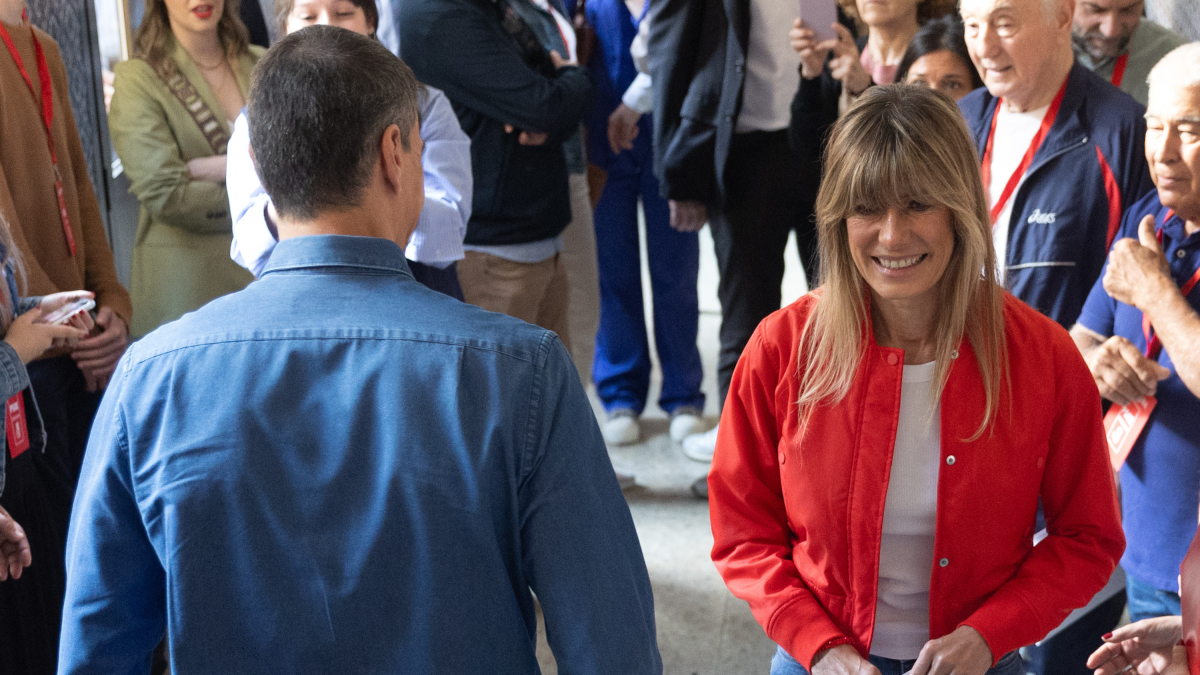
[
  {"x": 579, "y": 259},
  {"x": 532, "y": 292}
]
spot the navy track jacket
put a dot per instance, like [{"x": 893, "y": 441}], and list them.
[{"x": 1091, "y": 166}]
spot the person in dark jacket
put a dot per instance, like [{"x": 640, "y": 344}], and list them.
[
  {"x": 724, "y": 76},
  {"x": 519, "y": 102},
  {"x": 1063, "y": 157}
]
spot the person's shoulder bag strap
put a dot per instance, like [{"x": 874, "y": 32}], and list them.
[{"x": 214, "y": 130}]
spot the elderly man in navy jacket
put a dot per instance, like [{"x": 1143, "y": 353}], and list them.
[
  {"x": 1062, "y": 157},
  {"x": 1062, "y": 151}
]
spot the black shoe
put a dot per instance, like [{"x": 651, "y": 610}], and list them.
[{"x": 700, "y": 488}]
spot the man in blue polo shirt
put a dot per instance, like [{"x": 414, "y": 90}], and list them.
[{"x": 1152, "y": 274}]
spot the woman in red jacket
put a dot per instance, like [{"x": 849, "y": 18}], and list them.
[{"x": 887, "y": 437}]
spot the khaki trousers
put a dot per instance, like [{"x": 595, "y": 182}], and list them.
[
  {"x": 536, "y": 293},
  {"x": 579, "y": 258}
]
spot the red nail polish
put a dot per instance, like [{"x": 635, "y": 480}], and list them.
[{"x": 1107, "y": 636}]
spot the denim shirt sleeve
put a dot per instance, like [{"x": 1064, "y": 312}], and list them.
[
  {"x": 580, "y": 551},
  {"x": 115, "y": 608},
  {"x": 13, "y": 377},
  {"x": 13, "y": 380},
  {"x": 28, "y": 303}
]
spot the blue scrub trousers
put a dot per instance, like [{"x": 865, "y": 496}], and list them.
[{"x": 621, "y": 369}]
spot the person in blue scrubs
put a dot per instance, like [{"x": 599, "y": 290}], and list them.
[{"x": 621, "y": 370}]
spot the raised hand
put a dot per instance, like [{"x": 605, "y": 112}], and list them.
[{"x": 1145, "y": 647}]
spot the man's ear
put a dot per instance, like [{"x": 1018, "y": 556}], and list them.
[
  {"x": 1065, "y": 14},
  {"x": 391, "y": 153}
]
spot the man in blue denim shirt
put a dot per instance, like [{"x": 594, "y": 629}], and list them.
[{"x": 337, "y": 469}]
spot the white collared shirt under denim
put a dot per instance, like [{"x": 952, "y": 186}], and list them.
[{"x": 438, "y": 239}]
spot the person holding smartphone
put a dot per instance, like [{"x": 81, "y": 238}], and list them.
[{"x": 32, "y": 483}]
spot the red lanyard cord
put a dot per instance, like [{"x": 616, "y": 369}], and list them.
[
  {"x": 47, "y": 109},
  {"x": 1153, "y": 344},
  {"x": 1119, "y": 69},
  {"x": 1034, "y": 145}
]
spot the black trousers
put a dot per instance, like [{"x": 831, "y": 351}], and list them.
[
  {"x": 769, "y": 194},
  {"x": 441, "y": 280},
  {"x": 38, "y": 494}
]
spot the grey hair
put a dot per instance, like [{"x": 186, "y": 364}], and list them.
[{"x": 1179, "y": 69}]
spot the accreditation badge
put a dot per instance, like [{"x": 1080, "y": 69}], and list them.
[
  {"x": 1123, "y": 425},
  {"x": 14, "y": 426}
]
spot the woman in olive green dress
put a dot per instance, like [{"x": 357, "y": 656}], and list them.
[{"x": 172, "y": 111}]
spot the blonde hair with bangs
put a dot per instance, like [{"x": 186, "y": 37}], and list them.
[{"x": 897, "y": 144}]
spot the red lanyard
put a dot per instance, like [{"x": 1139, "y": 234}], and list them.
[
  {"x": 1038, "y": 138},
  {"x": 47, "y": 116},
  {"x": 1119, "y": 69},
  {"x": 1153, "y": 344}
]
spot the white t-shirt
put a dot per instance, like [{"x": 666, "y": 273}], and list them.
[
  {"x": 772, "y": 68},
  {"x": 909, "y": 521},
  {"x": 1014, "y": 133}
]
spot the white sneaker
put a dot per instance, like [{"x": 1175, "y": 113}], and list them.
[
  {"x": 700, "y": 447},
  {"x": 685, "y": 421},
  {"x": 621, "y": 427}
]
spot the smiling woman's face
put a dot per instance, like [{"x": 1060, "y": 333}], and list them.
[{"x": 902, "y": 253}]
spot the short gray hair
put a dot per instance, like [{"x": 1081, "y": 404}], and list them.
[{"x": 1179, "y": 69}]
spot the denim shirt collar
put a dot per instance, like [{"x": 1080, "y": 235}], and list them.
[{"x": 336, "y": 250}]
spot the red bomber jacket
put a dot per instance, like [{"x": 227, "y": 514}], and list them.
[{"x": 797, "y": 513}]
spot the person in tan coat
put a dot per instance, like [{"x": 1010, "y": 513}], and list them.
[
  {"x": 57, "y": 232},
  {"x": 170, "y": 122}
]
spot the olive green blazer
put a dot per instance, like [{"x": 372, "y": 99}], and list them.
[{"x": 181, "y": 253}]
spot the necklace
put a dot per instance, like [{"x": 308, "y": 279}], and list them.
[
  {"x": 220, "y": 63},
  {"x": 203, "y": 66}
]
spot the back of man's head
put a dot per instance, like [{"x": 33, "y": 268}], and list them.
[{"x": 320, "y": 100}]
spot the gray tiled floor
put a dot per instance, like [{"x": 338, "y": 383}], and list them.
[{"x": 702, "y": 628}]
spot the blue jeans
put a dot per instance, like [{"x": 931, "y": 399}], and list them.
[
  {"x": 784, "y": 664},
  {"x": 1147, "y": 602}
]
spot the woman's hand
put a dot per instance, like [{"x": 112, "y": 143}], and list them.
[
  {"x": 1145, "y": 647},
  {"x": 842, "y": 660},
  {"x": 14, "y": 548},
  {"x": 209, "y": 169},
  {"x": 51, "y": 302},
  {"x": 812, "y": 53},
  {"x": 31, "y": 340},
  {"x": 846, "y": 64},
  {"x": 963, "y": 652}
]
